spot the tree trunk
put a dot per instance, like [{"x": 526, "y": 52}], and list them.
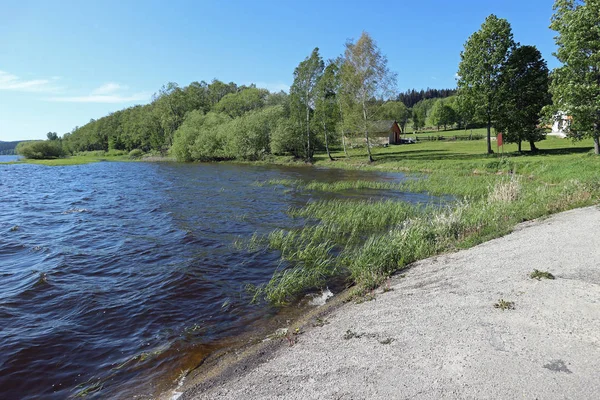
[
  {"x": 367, "y": 132},
  {"x": 343, "y": 133},
  {"x": 532, "y": 146},
  {"x": 519, "y": 145},
  {"x": 326, "y": 142},
  {"x": 308, "y": 153},
  {"x": 596, "y": 137},
  {"x": 489, "y": 136}
]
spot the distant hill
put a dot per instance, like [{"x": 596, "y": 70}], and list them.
[{"x": 8, "y": 148}]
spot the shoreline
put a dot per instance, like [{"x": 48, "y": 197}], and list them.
[{"x": 461, "y": 345}]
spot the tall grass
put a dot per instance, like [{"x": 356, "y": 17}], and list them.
[{"x": 367, "y": 241}]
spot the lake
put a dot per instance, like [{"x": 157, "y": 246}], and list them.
[{"x": 115, "y": 277}]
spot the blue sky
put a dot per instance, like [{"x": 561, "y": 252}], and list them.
[{"x": 64, "y": 62}]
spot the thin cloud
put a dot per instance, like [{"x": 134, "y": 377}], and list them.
[
  {"x": 108, "y": 88},
  {"x": 12, "y": 82},
  {"x": 273, "y": 87},
  {"x": 102, "y": 98},
  {"x": 107, "y": 93}
]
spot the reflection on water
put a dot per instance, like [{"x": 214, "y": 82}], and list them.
[{"x": 117, "y": 275}]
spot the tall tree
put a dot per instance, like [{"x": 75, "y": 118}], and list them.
[
  {"x": 302, "y": 97},
  {"x": 327, "y": 113},
  {"x": 442, "y": 114},
  {"x": 170, "y": 109},
  {"x": 575, "y": 85},
  {"x": 365, "y": 77},
  {"x": 479, "y": 70},
  {"x": 524, "y": 92}
]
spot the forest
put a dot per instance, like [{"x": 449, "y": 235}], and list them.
[{"x": 501, "y": 85}]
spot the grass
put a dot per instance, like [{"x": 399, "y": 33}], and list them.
[
  {"x": 364, "y": 242},
  {"x": 539, "y": 275},
  {"x": 504, "y": 305}
]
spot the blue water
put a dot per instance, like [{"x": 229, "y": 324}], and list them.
[{"x": 114, "y": 277}]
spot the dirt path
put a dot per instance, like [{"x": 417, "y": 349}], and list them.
[{"x": 437, "y": 333}]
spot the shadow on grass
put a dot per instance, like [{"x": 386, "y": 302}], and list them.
[
  {"x": 424, "y": 155},
  {"x": 560, "y": 151}
]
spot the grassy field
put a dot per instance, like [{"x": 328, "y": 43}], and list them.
[{"x": 365, "y": 242}]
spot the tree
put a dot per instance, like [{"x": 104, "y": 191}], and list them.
[
  {"x": 302, "y": 97},
  {"x": 479, "y": 70},
  {"x": 237, "y": 104},
  {"x": 52, "y": 136},
  {"x": 575, "y": 85},
  {"x": 365, "y": 77},
  {"x": 170, "y": 109},
  {"x": 442, "y": 114},
  {"x": 524, "y": 92},
  {"x": 397, "y": 111},
  {"x": 327, "y": 113}
]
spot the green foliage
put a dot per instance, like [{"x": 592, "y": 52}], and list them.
[
  {"x": 485, "y": 52},
  {"x": 209, "y": 134},
  {"x": 237, "y": 104},
  {"x": 539, "y": 275},
  {"x": 364, "y": 76},
  {"x": 41, "y": 150},
  {"x": 136, "y": 153},
  {"x": 52, "y": 136},
  {"x": 327, "y": 112},
  {"x": 303, "y": 93},
  {"x": 576, "y": 84},
  {"x": 287, "y": 138},
  {"x": 524, "y": 92},
  {"x": 249, "y": 136},
  {"x": 395, "y": 110},
  {"x": 442, "y": 114}
]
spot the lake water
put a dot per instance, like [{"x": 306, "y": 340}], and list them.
[
  {"x": 115, "y": 277},
  {"x": 9, "y": 158}
]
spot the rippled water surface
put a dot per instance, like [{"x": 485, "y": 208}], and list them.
[{"x": 114, "y": 276}]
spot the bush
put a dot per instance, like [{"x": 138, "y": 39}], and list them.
[
  {"x": 136, "y": 153},
  {"x": 41, "y": 149}
]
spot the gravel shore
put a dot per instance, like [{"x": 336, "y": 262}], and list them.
[{"x": 437, "y": 333}]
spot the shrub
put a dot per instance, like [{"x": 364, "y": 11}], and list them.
[
  {"x": 136, "y": 153},
  {"x": 41, "y": 150}
]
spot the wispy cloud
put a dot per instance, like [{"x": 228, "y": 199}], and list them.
[
  {"x": 107, "y": 93},
  {"x": 12, "y": 82},
  {"x": 108, "y": 88},
  {"x": 273, "y": 87}
]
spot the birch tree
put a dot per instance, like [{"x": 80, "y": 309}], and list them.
[
  {"x": 365, "y": 77},
  {"x": 302, "y": 98}
]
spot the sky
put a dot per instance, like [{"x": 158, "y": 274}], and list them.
[{"x": 65, "y": 62}]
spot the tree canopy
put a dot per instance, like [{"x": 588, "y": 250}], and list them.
[
  {"x": 575, "y": 85},
  {"x": 481, "y": 61}
]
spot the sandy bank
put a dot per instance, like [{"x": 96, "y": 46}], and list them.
[{"x": 436, "y": 334}]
